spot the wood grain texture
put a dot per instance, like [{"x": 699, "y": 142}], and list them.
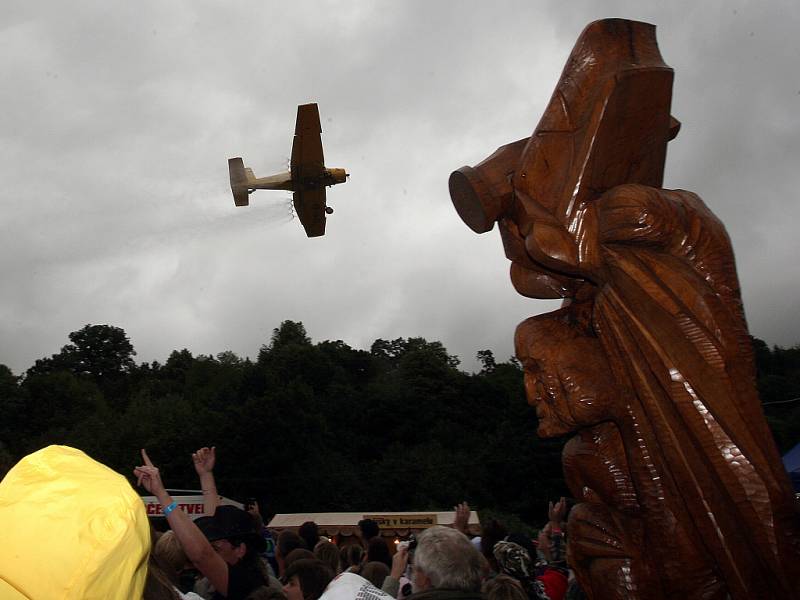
[{"x": 648, "y": 363}]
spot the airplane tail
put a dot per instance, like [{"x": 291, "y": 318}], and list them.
[{"x": 238, "y": 181}]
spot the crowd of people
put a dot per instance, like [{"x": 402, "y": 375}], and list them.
[{"x": 232, "y": 555}]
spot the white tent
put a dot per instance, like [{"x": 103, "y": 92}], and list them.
[{"x": 395, "y": 524}]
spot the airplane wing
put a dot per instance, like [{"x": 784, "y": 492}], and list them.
[
  {"x": 307, "y": 158},
  {"x": 310, "y": 208},
  {"x": 238, "y": 176}
]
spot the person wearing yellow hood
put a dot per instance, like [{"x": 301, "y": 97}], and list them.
[{"x": 70, "y": 529}]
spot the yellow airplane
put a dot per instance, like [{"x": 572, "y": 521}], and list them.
[{"x": 307, "y": 176}]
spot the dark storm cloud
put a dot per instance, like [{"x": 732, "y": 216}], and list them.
[{"x": 118, "y": 120}]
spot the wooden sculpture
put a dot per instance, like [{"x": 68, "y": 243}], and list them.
[{"x": 648, "y": 362}]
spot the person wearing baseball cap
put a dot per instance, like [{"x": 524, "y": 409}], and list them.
[{"x": 223, "y": 547}]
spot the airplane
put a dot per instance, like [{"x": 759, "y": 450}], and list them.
[{"x": 307, "y": 176}]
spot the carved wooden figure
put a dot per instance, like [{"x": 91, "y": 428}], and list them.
[{"x": 649, "y": 362}]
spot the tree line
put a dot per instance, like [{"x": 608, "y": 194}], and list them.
[{"x": 317, "y": 427}]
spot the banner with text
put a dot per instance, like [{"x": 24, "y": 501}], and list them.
[
  {"x": 421, "y": 521},
  {"x": 191, "y": 505}
]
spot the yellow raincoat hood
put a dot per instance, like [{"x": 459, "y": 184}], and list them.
[{"x": 70, "y": 528}]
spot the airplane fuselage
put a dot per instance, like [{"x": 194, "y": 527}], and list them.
[
  {"x": 284, "y": 181},
  {"x": 279, "y": 181}
]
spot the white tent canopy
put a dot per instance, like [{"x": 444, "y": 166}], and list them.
[{"x": 391, "y": 524}]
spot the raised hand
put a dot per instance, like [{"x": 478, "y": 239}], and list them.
[
  {"x": 204, "y": 460},
  {"x": 399, "y": 561},
  {"x": 462, "y": 517},
  {"x": 556, "y": 512},
  {"x": 149, "y": 477}
]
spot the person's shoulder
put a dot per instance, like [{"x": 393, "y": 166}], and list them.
[
  {"x": 242, "y": 579},
  {"x": 347, "y": 586},
  {"x": 275, "y": 583}
]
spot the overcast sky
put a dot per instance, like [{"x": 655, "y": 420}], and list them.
[{"x": 118, "y": 118}]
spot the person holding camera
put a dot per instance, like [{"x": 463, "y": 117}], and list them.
[{"x": 397, "y": 583}]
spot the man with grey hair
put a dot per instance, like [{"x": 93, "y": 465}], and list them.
[{"x": 446, "y": 566}]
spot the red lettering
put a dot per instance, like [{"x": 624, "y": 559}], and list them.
[{"x": 193, "y": 508}]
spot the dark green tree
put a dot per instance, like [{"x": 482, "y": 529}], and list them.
[
  {"x": 320, "y": 426},
  {"x": 97, "y": 351},
  {"x": 14, "y": 423},
  {"x": 289, "y": 332},
  {"x": 486, "y": 358}
]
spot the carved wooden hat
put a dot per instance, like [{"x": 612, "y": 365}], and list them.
[{"x": 607, "y": 123}]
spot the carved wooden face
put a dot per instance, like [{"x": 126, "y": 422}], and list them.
[{"x": 567, "y": 378}]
